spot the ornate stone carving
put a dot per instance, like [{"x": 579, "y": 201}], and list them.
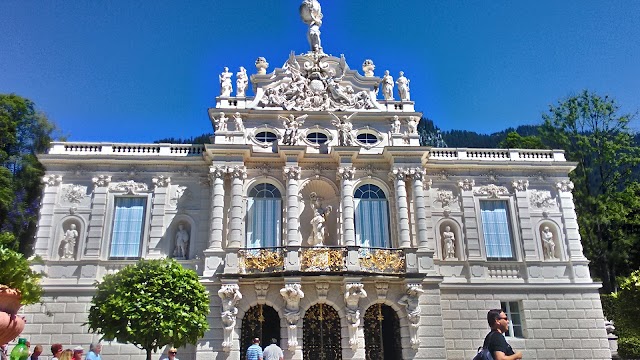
[
  {"x": 382, "y": 288},
  {"x": 541, "y": 199},
  {"x": 220, "y": 124},
  {"x": 412, "y": 124},
  {"x": 565, "y": 186},
  {"x": 261, "y": 65},
  {"x": 539, "y": 175},
  {"x": 395, "y": 124},
  {"x": 344, "y": 126},
  {"x": 403, "y": 87},
  {"x": 354, "y": 292},
  {"x": 466, "y": 184},
  {"x": 397, "y": 174},
  {"x": 101, "y": 180},
  {"x": 548, "y": 244},
  {"x": 242, "y": 80},
  {"x": 292, "y": 293},
  {"x": 52, "y": 180},
  {"x": 238, "y": 172},
  {"x": 262, "y": 288},
  {"x": 217, "y": 171},
  {"x": 449, "y": 241},
  {"x": 311, "y": 14},
  {"x": 411, "y": 300},
  {"x": 129, "y": 187},
  {"x": 367, "y": 67},
  {"x": 161, "y": 181},
  {"x": 492, "y": 191},
  {"x": 318, "y": 235},
  {"x": 520, "y": 185},
  {"x": 237, "y": 120},
  {"x": 225, "y": 82},
  {"x": 291, "y": 124},
  {"x": 445, "y": 197},
  {"x": 387, "y": 86},
  {"x": 178, "y": 193},
  {"x": 74, "y": 194},
  {"x": 230, "y": 295},
  {"x": 292, "y": 172},
  {"x": 345, "y": 173},
  {"x": 416, "y": 173},
  {"x": 322, "y": 288},
  {"x": 181, "y": 248}
]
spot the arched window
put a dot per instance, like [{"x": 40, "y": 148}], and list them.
[
  {"x": 372, "y": 217},
  {"x": 264, "y": 214}
]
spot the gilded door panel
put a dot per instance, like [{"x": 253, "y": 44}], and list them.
[
  {"x": 260, "y": 321},
  {"x": 321, "y": 334}
]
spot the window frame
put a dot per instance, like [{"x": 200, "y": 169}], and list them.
[
  {"x": 513, "y": 224},
  {"x": 110, "y": 219},
  {"x": 279, "y": 232},
  {"x": 506, "y": 306},
  {"x": 390, "y": 242}
]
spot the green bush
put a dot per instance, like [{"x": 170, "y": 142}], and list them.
[
  {"x": 629, "y": 347},
  {"x": 608, "y": 305},
  {"x": 16, "y": 273}
]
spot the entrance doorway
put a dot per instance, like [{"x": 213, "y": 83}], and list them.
[
  {"x": 260, "y": 321},
  {"x": 382, "y": 333},
  {"x": 321, "y": 334}
]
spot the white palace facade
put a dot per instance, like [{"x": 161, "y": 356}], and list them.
[{"x": 315, "y": 217}]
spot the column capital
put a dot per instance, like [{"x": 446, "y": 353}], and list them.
[
  {"x": 101, "y": 180},
  {"x": 565, "y": 186},
  {"x": 238, "y": 172},
  {"x": 520, "y": 185},
  {"x": 399, "y": 174},
  {"x": 345, "y": 173},
  {"x": 416, "y": 173},
  {"x": 217, "y": 171},
  {"x": 161, "y": 181},
  {"x": 466, "y": 184},
  {"x": 291, "y": 172}
]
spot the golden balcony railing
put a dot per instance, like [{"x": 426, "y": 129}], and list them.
[
  {"x": 263, "y": 260},
  {"x": 323, "y": 259},
  {"x": 379, "y": 260}
]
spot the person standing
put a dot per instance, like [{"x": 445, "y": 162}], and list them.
[
  {"x": 77, "y": 353},
  {"x": 172, "y": 354},
  {"x": 36, "y": 352},
  {"x": 495, "y": 341},
  {"x": 273, "y": 351},
  {"x": 254, "y": 352},
  {"x": 94, "y": 352},
  {"x": 56, "y": 351}
]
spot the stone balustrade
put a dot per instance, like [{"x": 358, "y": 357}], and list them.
[
  {"x": 76, "y": 148},
  {"x": 496, "y": 154}
]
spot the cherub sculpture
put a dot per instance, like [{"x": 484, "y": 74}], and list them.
[{"x": 291, "y": 125}]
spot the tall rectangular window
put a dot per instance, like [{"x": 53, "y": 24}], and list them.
[
  {"x": 496, "y": 229},
  {"x": 512, "y": 310},
  {"x": 128, "y": 220}
]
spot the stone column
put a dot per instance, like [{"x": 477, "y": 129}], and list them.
[
  {"x": 238, "y": 174},
  {"x": 292, "y": 175},
  {"x": 398, "y": 176},
  {"x": 216, "y": 175},
  {"x": 345, "y": 174},
  {"x": 417, "y": 175},
  {"x": 158, "y": 207}
]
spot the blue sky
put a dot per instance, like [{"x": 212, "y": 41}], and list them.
[{"x": 143, "y": 70}]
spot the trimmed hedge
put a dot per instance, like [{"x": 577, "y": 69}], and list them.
[
  {"x": 629, "y": 347},
  {"x": 608, "y": 306}
]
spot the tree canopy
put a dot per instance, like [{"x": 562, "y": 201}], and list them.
[
  {"x": 24, "y": 132},
  {"x": 150, "y": 304}
]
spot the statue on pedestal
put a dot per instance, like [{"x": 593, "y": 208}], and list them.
[
  {"x": 403, "y": 87},
  {"x": 395, "y": 125},
  {"x": 291, "y": 125},
  {"x": 412, "y": 125},
  {"x": 548, "y": 243},
  {"x": 311, "y": 13},
  {"x": 345, "y": 137},
  {"x": 237, "y": 119},
  {"x": 319, "y": 233},
  {"x": 242, "y": 80},
  {"x": 448, "y": 238},
  {"x": 69, "y": 242},
  {"x": 225, "y": 82},
  {"x": 387, "y": 86},
  {"x": 220, "y": 124}
]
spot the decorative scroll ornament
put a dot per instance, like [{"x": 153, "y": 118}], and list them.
[
  {"x": 322, "y": 259},
  {"x": 161, "y": 181},
  {"x": 411, "y": 300},
  {"x": 345, "y": 173},
  {"x": 466, "y": 184},
  {"x": 230, "y": 295},
  {"x": 492, "y": 191},
  {"x": 292, "y": 172},
  {"x": 261, "y": 260},
  {"x": 541, "y": 199},
  {"x": 101, "y": 180},
  {"x": 217, "y": 172},
  {"x": 565, "y": 186},
  {"x": 354, "y": 292},
  {"x": 445, "y": 197},
  {"x": 52, "y": 180},
  {"x": 238, "y": 172},
  {"x": 75, "y": 194},
  {"x": 520, "y": 185},
  {"x": 129, "y": 187},
  {"x": 292, "y": 293}
]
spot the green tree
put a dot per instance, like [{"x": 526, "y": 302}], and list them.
[
  {"x": 24, "y": 132},
  {"x": 593, "y": 134},
  {"x": 150, "y": 304},
  {"x": 515, "y": 141},
  {"x": 627, "y": 316}
]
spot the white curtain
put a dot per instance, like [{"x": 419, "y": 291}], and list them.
[
  {"x": 495, "y": 227},
  {"x": 263, "y": 222},
  {"x": 127, "y": 227},
  {"x": 372, "y": 223}
]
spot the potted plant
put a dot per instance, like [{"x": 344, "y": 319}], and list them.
[{"x": 19, "y": 285}]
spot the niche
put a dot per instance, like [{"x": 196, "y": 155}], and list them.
[{"x": 449, "y": 235}]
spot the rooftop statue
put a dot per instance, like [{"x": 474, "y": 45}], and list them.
[{"x": 311, "y": 14}]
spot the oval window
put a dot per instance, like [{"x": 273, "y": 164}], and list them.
[
  {"x": 367, "y": 138},
  {"x": 317, "y": 138},
  {"x": 266, "y": 137}
]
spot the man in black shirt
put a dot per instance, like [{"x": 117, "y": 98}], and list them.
[{"x": 495, "y": 341}]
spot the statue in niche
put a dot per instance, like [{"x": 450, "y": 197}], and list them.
[
  {"x": 403, "y": 87},
  {"x": 242, "y": 80},
  {"x": 345, "y": 137},
  {"x": 69, "y": 242},
  {"x": 181, "y": 250},
  {"x": 291, "y": 124},
  {"x": 320, "y": 214},
  {"x": 395, "y": 125},
  {"x": 237, "y": 119},
  {"x": 225, "y": 82},
  {"x": 412, "y": 124},
  {"x": 220, "y": 124},
  {"x": 311, "y": 13},
  {"x": 448, "y": 238},
  {"x": 387, "y": 86},
  {"x": 548, "y": 243}
]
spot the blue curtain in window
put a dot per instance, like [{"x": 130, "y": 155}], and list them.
[
  {"x": 372, "y": 222},
  {"x": 495, "y": 227},
  {"x": 263, "y": 222},
  {"x": 127, "y": 227}
]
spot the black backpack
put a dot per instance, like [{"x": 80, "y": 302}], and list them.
[{"x": 483, "y": 352}]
